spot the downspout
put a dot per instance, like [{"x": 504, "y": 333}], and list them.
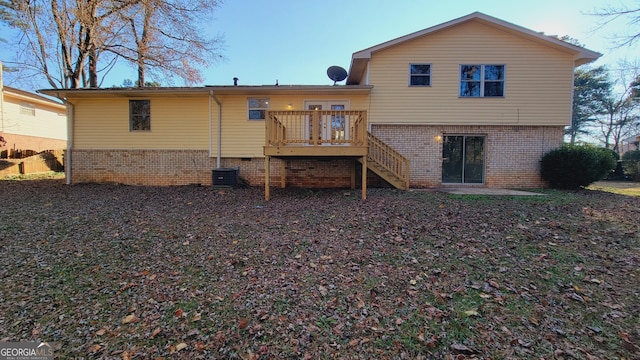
[
  {"x": 573, "y": 94},
  {"x": 67, "y": 158},
  {"x": 219, "y": 128}
]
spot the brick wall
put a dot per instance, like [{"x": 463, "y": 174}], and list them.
[
  {"x": 512, "y": 160},
  {"x": 34, "y": 143},
  {"x": 141, "y": 167},
  {"x": 183, "y": 167},
  {"x": 512, "y": 153},
  {"x": 320, "y": 173}
]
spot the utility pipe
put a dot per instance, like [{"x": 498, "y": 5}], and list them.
[
  {"x": 68, "y": 156},
  {"x": 213, "y": 96}
]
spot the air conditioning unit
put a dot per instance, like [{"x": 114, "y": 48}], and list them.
[{"x": 225, "y": 177}]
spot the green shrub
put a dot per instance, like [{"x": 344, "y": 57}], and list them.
[
  {"x": 572, "y": 166},
  {"x": 631, "y": 164},
  {"x": 607, "y": 161}
]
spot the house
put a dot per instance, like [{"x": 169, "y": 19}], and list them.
[
  {"x": 629, "y": 144},
  {"x": 475, "y": 101},
  {"x": 30, "y": 123}
]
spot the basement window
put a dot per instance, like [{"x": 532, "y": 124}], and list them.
[{"x": 139, "y": 115}]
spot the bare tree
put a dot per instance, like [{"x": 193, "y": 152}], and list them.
[
  {"x": 70, "y": 42},
  {"x": 621, "y": 117},
  {"x": 626, "y": 13},
  {"x": 165, "y": 38},
  {"x": 61, "y": 40},
  {"x": 590, "y": 89}
]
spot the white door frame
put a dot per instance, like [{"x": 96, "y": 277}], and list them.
[{"x": 326, "y": 131}]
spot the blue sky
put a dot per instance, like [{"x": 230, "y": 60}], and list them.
[{"x": 295, "y": 41}]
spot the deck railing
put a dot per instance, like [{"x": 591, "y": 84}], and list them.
[
  {"x": 316, "y": 127},
  {"x": 389, "y": 159}
]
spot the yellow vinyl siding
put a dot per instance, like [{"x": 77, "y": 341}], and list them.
[
  {"x": 538, "y": 80},
  {"x": 183, "y": 123},
  {"x": 180, "y": 123},
  {"x": 242, "y": 137}
]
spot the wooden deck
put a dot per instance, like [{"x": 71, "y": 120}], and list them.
[
  {"x": 316, "y": 133},
  {"x": 331, "y": 133}
]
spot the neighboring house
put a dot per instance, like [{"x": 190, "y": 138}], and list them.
[
  {"x": 629, "y": 144},
  {"x": 30, "y": 122},
  {"x": 475, "y": 101}
]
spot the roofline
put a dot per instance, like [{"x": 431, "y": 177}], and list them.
[
  {"x": 581, "y": 55},
  {"x": 29, "y": 96},
  {"x": 217, "y": 89}
]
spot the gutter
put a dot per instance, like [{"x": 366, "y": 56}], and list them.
[{"x": 213, "y": 96}]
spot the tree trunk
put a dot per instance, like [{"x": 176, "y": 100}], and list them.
[{"x": 141, "y": 69}]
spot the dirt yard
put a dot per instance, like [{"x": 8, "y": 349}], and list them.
[{"x": 122, "y": 272}]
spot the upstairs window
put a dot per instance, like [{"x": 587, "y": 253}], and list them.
[
  {"x": 139, "y": 115},
  {"x": 481, "y": 80},
  {"x": 419, "y": 74},
  {"x": 258, "y": 108}
]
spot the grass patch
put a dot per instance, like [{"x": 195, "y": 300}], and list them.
[
  {"x": 50, "y": 175},
  {"x": 617, "y": 187}
]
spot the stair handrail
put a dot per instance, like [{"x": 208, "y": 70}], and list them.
[{"x": 388, "y": 158}]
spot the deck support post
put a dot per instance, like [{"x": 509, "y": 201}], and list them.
[
  {"x": 283, "y": 173},
  {"x": 267, "y": 175},
  {"x": 353, "y": 174},
  {"x": 364, "y": 177}
]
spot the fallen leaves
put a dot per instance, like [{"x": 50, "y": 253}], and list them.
[
  {"x": 243, "y": 323},
  {"x": 177, "y": 347},
  {"x": 191, "y": 273},
  {"x": 473, "y": 312},
  {"x": 129, "y": 318}
]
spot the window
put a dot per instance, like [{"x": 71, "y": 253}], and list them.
[
  {"x": 419, "y": 74},
  {"x": 139, "y": 115},
  {"x": 481, "y": 80},
  {"x": 258, "y": 108},
  {"x": 28, "y": 109}
]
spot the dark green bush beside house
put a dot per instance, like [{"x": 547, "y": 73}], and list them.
[
  {"x": 631, "y": 164},
  {"x": 572, "y": 166}
]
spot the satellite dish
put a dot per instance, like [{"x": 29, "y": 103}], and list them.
[{"x": 336, "y": 73}]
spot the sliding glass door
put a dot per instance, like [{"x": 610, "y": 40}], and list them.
[{"x": 463, "y": 159}]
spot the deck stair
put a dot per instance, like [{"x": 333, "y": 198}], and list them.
[{"x": 387, "y": 163}]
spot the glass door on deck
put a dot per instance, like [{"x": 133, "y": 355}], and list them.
[{"x": 332, "y": 127}]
